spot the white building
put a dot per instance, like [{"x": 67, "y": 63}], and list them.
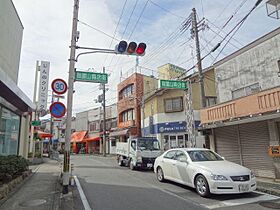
[{"x": 15, "y": 106}]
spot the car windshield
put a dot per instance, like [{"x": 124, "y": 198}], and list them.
[
  {"x": 204, "y": 155},
  {"x": 148, "y": 144}
]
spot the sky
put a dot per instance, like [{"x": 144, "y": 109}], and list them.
[{"x": 103, "y": 23}]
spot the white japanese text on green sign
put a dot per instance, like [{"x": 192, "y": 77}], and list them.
[
  {"x": 172, "y": 84},
  {"x": 91, "y": 77}
]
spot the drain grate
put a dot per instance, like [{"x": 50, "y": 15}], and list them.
[
  {"x": 270, "y": 204},
  {"x": 36, "y": 202}
]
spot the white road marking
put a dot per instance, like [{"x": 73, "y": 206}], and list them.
[
  {"x": 82, "y": 194},
  {"x": 242, "y": 201}
]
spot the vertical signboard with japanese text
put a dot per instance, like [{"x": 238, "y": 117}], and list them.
[{"x": 43, "y": 85}]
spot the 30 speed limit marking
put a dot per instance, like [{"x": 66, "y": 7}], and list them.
[{"x": 59, "y": 86}]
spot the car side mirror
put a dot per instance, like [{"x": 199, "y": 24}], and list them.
[{"x": 183, "y": 160}]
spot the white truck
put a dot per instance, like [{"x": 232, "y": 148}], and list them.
[{"x": 138, "y": 152}]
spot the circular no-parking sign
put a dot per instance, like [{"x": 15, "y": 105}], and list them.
[
  {"x": 59, "y": 86},
  {"x": 57, "y": 109}
]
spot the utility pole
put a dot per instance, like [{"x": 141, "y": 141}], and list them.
[
  {"x": 104, "y": 117},
  {"x": 74, "y": 39},
  {"x": 51, "y": 130},
  {"x": 199, "y": 66},
  {"x": 34, "y": 114}
]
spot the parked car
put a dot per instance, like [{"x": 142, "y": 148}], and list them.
[{"x": 204, "y": 170}]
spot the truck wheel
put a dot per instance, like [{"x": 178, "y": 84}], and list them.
[
  {"x": 120, "y": 161},
  {"x": 131, "y": 166}
]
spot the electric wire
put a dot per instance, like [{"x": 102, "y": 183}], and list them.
[{"x": 166, "y": 10}]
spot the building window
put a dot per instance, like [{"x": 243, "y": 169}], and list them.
[
  {"x": 128, "y": 115},
  {"x": 127, "y": 91},
  {"x": 245, "y": 91},
  {"x": 211, "y": 100},
  {"x": 113, "y": 142},
  {"x": 9, "y": 132},
  {"x": 173, "y": 104},
  {"x": 92, "y": 127}
]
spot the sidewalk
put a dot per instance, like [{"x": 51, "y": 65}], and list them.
[
  {"x": 41, "y": 191},
  {"x": 268, "y": 186}
]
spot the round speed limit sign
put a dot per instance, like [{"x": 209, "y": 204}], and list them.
[{"x": 59, "y": 86}]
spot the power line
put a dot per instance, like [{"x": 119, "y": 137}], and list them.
[
  {"x": 138, "y": 19},
  {"x": 116, "y": 29},
  {"x": 86, "y": 24},
  {"x": 237, "y": 27},
  {"x": 166, "y": 10}
]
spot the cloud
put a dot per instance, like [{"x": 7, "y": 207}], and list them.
[{"x": 47, "y": 31}]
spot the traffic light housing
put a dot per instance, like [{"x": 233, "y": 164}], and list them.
[{"x": 130, "y": 49}]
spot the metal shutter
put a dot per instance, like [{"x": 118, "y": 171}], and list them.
[
  {"x": 226, "y": 139},
  {"x": 254, "y": 139}
]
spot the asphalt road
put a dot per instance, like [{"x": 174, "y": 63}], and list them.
[{"x": 108, "y": 186}]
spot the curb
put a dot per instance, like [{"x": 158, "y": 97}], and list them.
[
  {"x": 269, "y": 191},
  {"x": 17, "y": 187}
]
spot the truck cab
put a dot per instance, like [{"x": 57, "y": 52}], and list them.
[{"x": 138, "y": 152}]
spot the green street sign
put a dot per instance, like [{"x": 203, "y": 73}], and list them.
[
  {"x": 91, "y": 77},
  {"x": 172, "y": 84},
  {"x": 36, "y": 123}
]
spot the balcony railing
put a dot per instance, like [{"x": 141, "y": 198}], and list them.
[
  {"x": 126, "y": 124},
  {"x": 259, "y": 103}
]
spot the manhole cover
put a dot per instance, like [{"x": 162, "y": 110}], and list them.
[
  {"x": 37, "y": 202},
  {"x": 269, "y": 204}
]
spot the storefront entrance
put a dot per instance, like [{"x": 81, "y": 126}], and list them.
[{"x": 175, "y": 141}]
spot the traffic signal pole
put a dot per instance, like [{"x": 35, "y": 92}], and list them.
[
  {"x": 104, "y": 116},
  {"x": 66, "y": 162},
  {"x": 199, "y": 65}
]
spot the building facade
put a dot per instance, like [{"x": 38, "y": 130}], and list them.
[
  {"x": 165, "y": 109},
  {"x": 15, "y": 106},
  {"x": 246, "y": 123},
  {"x": 91, "y": 121},
  {"x": 129, "y": 105}
]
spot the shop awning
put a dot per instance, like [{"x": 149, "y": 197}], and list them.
[
  {"x": 43, "y": 135},
  {"x": 92, "y": 139},
  {"x": 78, "y": 136},
  {"x": 119, "y": 133}
]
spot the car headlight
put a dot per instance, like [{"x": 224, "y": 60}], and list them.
[
  {"x": 252, "y": 175},
  {"x": 218, "y": 177}
]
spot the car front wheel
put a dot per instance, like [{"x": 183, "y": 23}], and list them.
[
  {"x": 201, "y": 186},
  {"x": 160, "y": 175}
]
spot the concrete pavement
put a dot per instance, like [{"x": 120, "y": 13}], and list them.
[
  {"x": 108, "y": 186},
  {"x": 41, "y": 191}
]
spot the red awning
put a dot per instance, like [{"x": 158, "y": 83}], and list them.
[
  {"x": 43, "y": 135},
  {"x": 92, "y": 139},
  {"x": 78, "y": 136}
]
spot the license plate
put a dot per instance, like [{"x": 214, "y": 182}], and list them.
[
  {"x": 149, "y": 165},
  {"x": 243, "y": 188}
]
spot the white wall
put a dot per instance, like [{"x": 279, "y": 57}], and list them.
[
  {"x": 10, "y": 39},
  {"x": 81, "y": 121},
  {"x": 258, "y": 64}
]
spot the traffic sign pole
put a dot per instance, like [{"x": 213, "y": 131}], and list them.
[{"x": 66, "y": 162}]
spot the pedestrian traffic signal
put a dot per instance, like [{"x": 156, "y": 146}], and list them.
[{"x": 131, "y": 48}]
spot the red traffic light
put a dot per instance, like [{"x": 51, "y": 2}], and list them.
[
  {"x": 141, "y": 48},
  {"x": 131, "y": 47}
]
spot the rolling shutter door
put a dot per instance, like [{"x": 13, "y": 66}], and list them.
[
  {"x": 226, "y": 140},
  {"x": 254, "y": 139}
]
